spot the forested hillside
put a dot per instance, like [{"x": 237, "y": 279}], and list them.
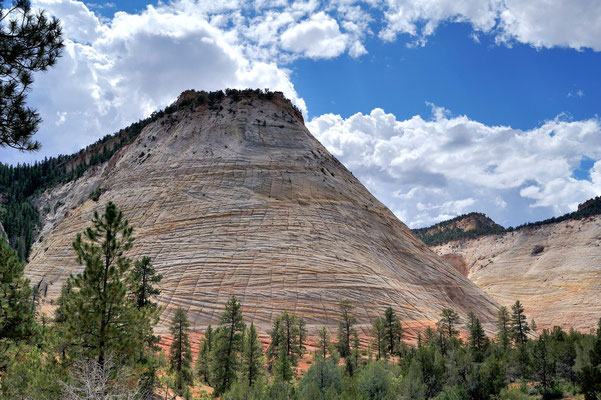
[
  {"x": 457, "y": 228},
  {"x": 20, "y": 183}
]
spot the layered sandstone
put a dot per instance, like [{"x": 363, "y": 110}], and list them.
[
  {"x": 237, "y": 197},
  {"x": 554, "y": 270}
]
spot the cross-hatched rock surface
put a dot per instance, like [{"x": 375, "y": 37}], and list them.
[
  {"x": 554, "y": 270},
  {"x": 237, "y": 197}
]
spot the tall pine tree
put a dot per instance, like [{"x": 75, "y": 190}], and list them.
[
  {"x": 252, "y": 357},
  {"x": 287, "y": 332},
  {"x": 100, "y": 315},
  {"x": 519, "y": 324},
  {"x": 379, "y": 342},
  {"x": 394, "y": 331},
  {"x": 144, "y": 278},
  {"x": 17, "y": 319},
  {"x": 180, "y": 354},
  {"x": 323, "y": 342},
  {"x": 503, "y": 328},
  {"x": 345, "y": 328},
  {"x": 203, "y": 363},
  {"x": 228, "y": 346}
]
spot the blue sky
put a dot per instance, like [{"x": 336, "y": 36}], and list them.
[{"x": 440, "y": 107}]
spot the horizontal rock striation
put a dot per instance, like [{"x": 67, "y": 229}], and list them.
[
  {"x": 553, "y": 269},
  {"x": 237, "y": 197}
]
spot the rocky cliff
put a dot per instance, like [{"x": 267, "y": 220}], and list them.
[
  {"x": 235, "y": 196},
  {"x": 464, "y": 226},
  {"x": 554, "y": 269}
]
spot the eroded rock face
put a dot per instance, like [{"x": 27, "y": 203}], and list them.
[
  {"x": 554, "y": 270},
  {"x": 239, "y": 198},
  {"x": 2, "y": 233}
]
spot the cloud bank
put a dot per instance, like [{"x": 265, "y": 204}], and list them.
[
  {"x": 116, "y": 71},
  {"x": 427, "y": 171}
]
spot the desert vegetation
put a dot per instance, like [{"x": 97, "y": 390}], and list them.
[{"x": 100, "y": 344}]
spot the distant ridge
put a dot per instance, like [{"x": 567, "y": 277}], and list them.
[
  {"x": 474, "y": 224},
  {"x": 465, "y": 226}
]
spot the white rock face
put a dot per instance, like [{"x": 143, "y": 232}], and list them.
[
  {"x": 239, "y": 198},
  {"x": 554, "y": 270}
]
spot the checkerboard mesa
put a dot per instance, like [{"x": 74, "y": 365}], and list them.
[{"x": 233, "y": 195}]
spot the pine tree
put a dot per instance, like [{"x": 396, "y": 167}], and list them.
[
  {"x": 448, "y": 322},
  {"x": 323, "y": 342},
  {"x": 180, "y": 353},
  {"x": 477, "y": 339},
  {"x": 17, "y": 319},
  {"x": 283, "y": 366},
  {"x": 345, "y": 328},
  {"x": 589, "y": 378},
  {"x": 519, "y": 325},
  {"x": 29, "y": 43},
  {"x": 203, "y": 363},
  {"x": 252, "y": 357},
  {"x": 228, "y": 345},
  {"x": 302, "y": 335},
  {"x": 503, "y": 328},
  {"x": 394, "y": 331},
  {"x": 447, "y": 328},
  {"x": 543, "y": 362},
  {"x": 379, "y": 342},
  {"x": 287, "y": 332},
  {"x": 100, "y": 315},
  {"x": 144, "y": 278},
  {"x": 533, "y": 326}
]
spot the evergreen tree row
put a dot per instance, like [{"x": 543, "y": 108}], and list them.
[{"x": 101, "y": 345}]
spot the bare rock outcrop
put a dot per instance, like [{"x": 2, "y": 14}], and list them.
[
  {"x": 553, "y": 269},
  {"x": 237, "y": 197}
]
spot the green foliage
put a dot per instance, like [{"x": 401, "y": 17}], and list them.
[
  {"x": 282, "y": 369},
  {"x": 29, "y": 43},
  {"x": 240, "y": 390},
  {"x": 447, "y": 329},
  {"x": 31, "y": 374},
  {"x": 394, "y": 331},
  {"x": 589, "y": 377},
  {"x": 20, "y": 184},
  {"x": 288, "y": 332},
  {"x": 252, "y": 357},
  {"x": 323, "y": 343},
  {"x": 180, "y": 353},
  {"x": 345, "y": 328},
  {"x": 16, "y": 311},
  {"x": 374, "y": 381},
  {"x": 478, "y": 341},
  {"x": 228, "y": 346},
  {"x": 98, "y": 319},
  {"x": 203, "y": 362},
  {"x": 543, "y": 364},
  {"x": 503, "y": 328},
  {"x": 143, "y": 280},
  {"x": 445, "y": 231},
  {"x": 323, "y": 375},
  {"x": 519, "y": 325},
  {"x": 379, "y": 342}
]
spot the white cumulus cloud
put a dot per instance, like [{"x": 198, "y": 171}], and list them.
[
  {"x": 430, "y": 170},
  {"x": 316, "y": 37}
]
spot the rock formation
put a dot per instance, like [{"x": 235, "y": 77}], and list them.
[
  {"x": 237, "y": 197},
  {"x": 464, "y": 226},
  {"x": 3, "y": 235},
  {"x": 553, "y": 269}
]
